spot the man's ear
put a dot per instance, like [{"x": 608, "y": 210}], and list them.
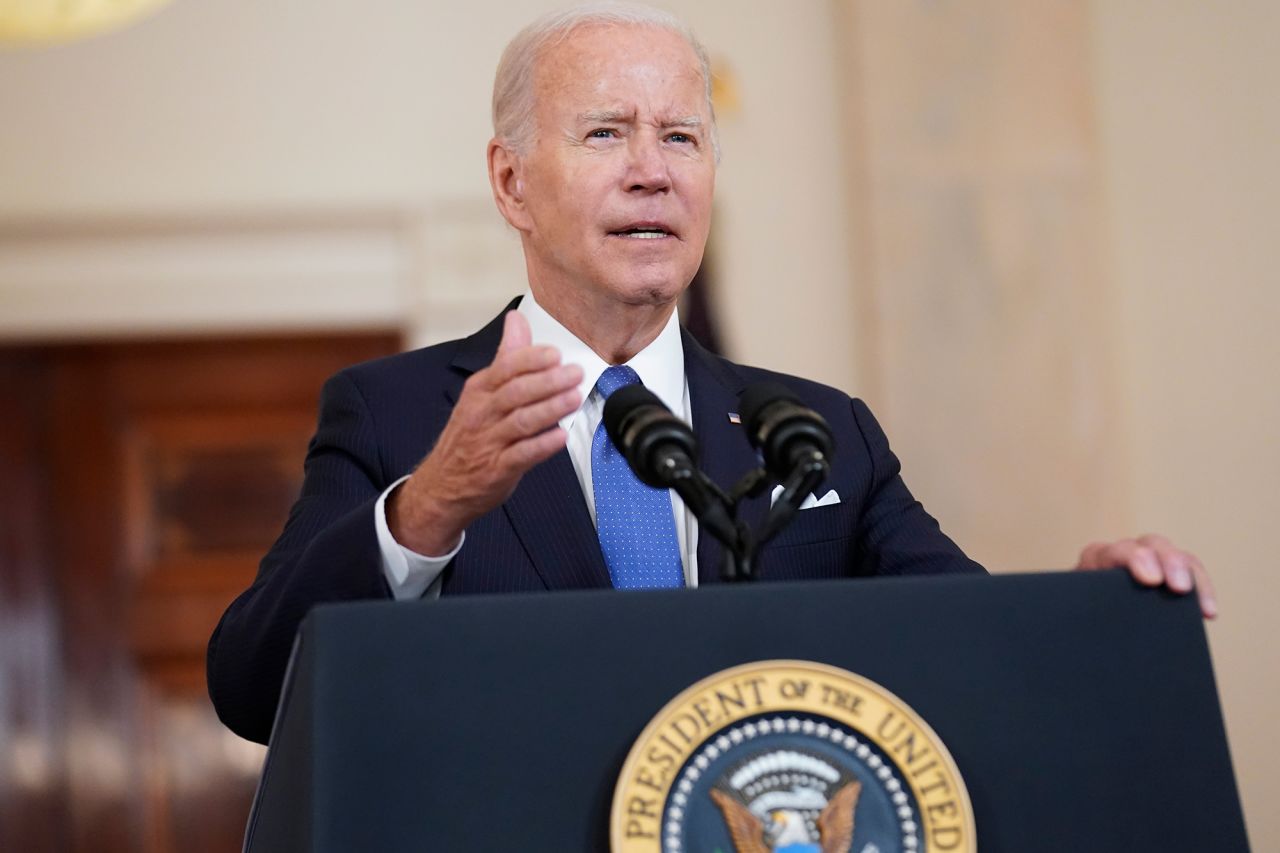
[{"x": 506, "y": 177}]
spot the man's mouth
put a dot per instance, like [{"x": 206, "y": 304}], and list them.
[{"x": 642, "y": 232}]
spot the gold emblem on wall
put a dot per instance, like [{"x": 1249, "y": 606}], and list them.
[{"x": 45, "y": 21}]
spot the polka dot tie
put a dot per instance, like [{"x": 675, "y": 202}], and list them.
[{"x": 636, "y": 527}]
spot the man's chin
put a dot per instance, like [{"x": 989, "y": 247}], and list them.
[
  {"x": 650, "y": 287},
  {"x": 657, "y": 294}
]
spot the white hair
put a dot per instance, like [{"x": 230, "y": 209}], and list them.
[{"x": 513, "y": 95}]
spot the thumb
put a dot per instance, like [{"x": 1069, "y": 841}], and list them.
[{"x": 515, "y": 332}]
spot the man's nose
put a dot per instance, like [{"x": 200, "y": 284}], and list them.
[{"x": 647, "y": 164}]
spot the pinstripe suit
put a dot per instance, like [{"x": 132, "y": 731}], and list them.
[{"x": 377, "y": 421}]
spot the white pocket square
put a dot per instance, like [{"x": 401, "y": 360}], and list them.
[{"x": 809, "y": 501}]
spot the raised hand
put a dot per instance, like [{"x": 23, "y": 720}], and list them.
[{"x": 505, "y": 422}]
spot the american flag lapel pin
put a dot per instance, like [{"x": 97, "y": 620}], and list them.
[{"x": 734, "y": 419}]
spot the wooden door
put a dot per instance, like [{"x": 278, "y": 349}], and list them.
[{"x": 139, "y": 485}]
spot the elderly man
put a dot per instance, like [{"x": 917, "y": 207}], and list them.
[{"x": 480, "y": 465}]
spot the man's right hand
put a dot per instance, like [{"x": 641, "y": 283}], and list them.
[{"x": 505, "y": 423}]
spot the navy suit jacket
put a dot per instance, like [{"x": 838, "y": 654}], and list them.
[{"x": 379, "y": 419}]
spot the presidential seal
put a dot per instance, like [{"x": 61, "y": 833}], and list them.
[{"x": 789, "y": 757}]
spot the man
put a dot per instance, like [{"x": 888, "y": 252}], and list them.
[{"x": 479, "y": 466}]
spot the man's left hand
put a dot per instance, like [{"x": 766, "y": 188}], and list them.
[{"x": 1153, "y": 560}]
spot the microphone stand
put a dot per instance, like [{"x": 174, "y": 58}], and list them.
[
  {"x": 742, "y": 543},
  {"x": 806, "y": 476},
  {"x": 716, "y": 513}
]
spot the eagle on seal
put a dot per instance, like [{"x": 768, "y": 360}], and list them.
[{"x": 787, "y": 831}]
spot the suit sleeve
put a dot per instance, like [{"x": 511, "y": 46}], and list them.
[
  {"x": 896, "y": 536},
  {"x": 327, "y": 552}
]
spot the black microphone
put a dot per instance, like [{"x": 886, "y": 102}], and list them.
[
  {"x": 795, "y": 442},
  {"x": 661, "y": 450},
  {"x": 656, "y": 444},
  {"x": 787, "y": 433}
]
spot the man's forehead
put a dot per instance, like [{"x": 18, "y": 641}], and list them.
[
  {"x": 618, "y": 71},
  {"x": 610, "y": 37},
  {"x": 592, "y": 53}
]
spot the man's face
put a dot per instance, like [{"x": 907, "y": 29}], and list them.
[{"x": 619, "y": 181}]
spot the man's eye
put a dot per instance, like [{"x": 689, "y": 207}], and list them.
[
  {"x": 681, "y": 138},
  {"x": 602, "y": 133}
]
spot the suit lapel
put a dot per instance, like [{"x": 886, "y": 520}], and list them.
[
  {"x": 547, "y": 510},
  {"x": 725, "y": 453},
  {"x": 551, "y": 519}
]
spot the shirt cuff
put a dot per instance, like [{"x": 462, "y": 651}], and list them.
[{"x": 408, "y": 573}]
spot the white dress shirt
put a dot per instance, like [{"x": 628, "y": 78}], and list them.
[{"x": 660, "y": 367}]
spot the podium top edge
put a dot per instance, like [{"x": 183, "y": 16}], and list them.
[{"x": 1113, "y": 585}]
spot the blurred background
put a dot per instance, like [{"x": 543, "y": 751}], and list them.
[{"x": 1039, "y": 238}]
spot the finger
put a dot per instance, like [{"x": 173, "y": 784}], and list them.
[
  {"x": 538, "y": 417},
  {"x": 515, "y": 362},
  {"x": 536, "y": 386},
  {"x": 1142, "y": 563},
  {"x": 1139, "y": 559},
  {"x": 1204, "y": 588},
  {"x": 515, "y": 332},
  {"x": 1174, "y": 565},
  {"x": 1107, "y": 555},
  {"x": 1154, "y": 540},
  {"x": 1090, "y": 557},
  {"x": 524, "y": 454}
]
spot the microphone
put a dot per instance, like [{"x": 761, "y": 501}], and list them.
[
  {"x": 794, "y": 440},
  {"x": 787, "y": 433},
  {"x": 661, "y": 449},
  {"x": 656, "y": 444}
]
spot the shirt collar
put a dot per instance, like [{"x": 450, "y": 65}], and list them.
[{"x": 660, "y": 365}]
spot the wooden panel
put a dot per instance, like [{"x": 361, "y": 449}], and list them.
[
  {"x": 209, "y": 484},
  {"x": 203, "y": 492},
  {"x": 212, "y": 485},
  {"x": 148, "y": 480},
  {"x": 31, "y": 796}
]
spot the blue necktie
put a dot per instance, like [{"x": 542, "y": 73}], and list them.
[{"x": 636, "y": 527}]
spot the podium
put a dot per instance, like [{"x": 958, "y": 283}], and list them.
[{"x": 1079, "y": 708}]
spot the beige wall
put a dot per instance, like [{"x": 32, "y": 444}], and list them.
[
  {"x": 1190, "y": 133},
  {"x": 979, "y": 267}
]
